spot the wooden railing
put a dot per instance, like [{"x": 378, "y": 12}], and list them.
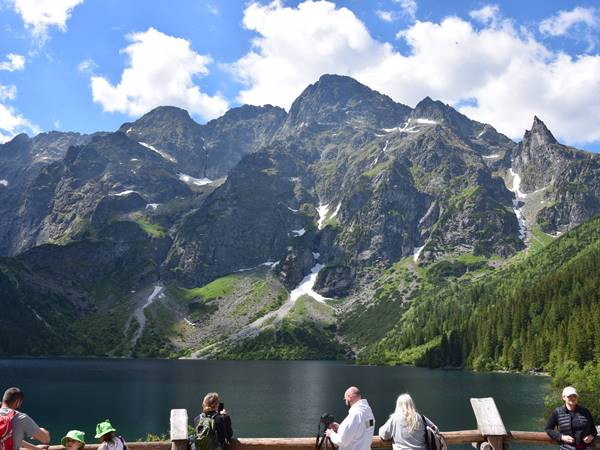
[{"x": 490, "y": 435}]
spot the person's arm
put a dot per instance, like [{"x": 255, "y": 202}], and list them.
[
  {"x": 228, "y": 427},
  {"x": 386, "y": 431},
  {"x": 42, "y": 435},
  {"x": 551, "y": 425},
  {"x": 30, "y": 446},
  {"x": 592, "y": 428},
  {"x": 346, "y": 431}
]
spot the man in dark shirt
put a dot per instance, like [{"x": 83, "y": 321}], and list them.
[
  {"x": 22, "y": 424},
  {"x": 576, "y": 427}
]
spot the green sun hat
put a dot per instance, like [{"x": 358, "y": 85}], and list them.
[
  {"x": 104, "y": 427},
  {"x": 76, "y": 435}
]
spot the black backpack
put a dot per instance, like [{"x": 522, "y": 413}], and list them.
[
  {"x": 433, "y": 439},
  {"x": 205, "y": 437}
]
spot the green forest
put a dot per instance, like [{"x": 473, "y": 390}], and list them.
[{"x": 540, "y": 313}]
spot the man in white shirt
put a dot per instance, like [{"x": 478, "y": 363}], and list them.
[{"x": 356, "y": 430}]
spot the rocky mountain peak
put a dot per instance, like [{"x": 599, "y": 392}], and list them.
[
  {"x": 160, "y": 117},
  {"x": 539, "y": 135},
  {"x": 336, "y": 100}
]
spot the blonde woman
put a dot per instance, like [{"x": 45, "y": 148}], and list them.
[{"x": 405, "y": 426}]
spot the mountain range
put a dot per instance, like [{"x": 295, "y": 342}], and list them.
[{"x": 312, "y": 233}]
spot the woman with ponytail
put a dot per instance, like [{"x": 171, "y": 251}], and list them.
[{"x": 406, "y": 427}]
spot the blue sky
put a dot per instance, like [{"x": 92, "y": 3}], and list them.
[{"x": 88, "y": 65}]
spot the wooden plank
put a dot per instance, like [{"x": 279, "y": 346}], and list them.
[
  {"x": 452, "y": 438},
  {"x": 163, "y": 445},
  {"x": 537, "y": 437},
  {"x": 488, "y": 418},
  {"x": 179, "y": 425}
]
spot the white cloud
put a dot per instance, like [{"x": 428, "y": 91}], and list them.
[
  {"x": 561, "y": 23},
  {"x": 160, "y": 72},
  {"x": 11, "y": 122},
  {"x": 13, "y": 62},
  {"x": 409, "y": 7},
  {"x": 56, "y": 124},
  {"x": 488, "y": 14},
  {"x": 39, "y": 15},
  {"x": 296, "y": 45},
  {"x": 8, "y": 92},
  {"x": 213, "y": 9},
  {"x": 509, "y": 74},
  {"x": 87, "y": 66},
  {"x": 386, "y": 16}
]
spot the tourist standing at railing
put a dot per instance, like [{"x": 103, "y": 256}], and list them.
[
  {"x": 575, "y": 424},
  {"x": 108, "y": 437},
  {"x": 356, "y": 430},
  {"x": 406, "y": 427},
  {"x": 213, "y": 424},
  {"x": 18, "y": 423}
]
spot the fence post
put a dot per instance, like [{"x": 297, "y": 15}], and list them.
[
  {"x": 179, "y": 429},
  {"x": 489, "y": 422}
]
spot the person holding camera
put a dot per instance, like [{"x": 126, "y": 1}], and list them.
[
  {"x": 356, "y": 430},
  {"x": 213, "y": 426},
  {"x": 576, "y": 427}
]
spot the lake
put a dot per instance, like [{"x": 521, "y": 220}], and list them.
[{"x": 264, "y": 398}]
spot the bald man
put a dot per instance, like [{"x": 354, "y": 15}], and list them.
[{"x": 356, "y": 430}]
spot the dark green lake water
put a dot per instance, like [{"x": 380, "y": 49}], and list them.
[{"x": 265, "y": 399}]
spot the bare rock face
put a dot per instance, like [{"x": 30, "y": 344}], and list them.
[{"x": 567, "y": 179}]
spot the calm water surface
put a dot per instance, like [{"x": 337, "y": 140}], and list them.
[{"x": 265, "y": 399}]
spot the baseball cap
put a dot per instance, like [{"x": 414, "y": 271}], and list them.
[{"x": 569, "y": 390}]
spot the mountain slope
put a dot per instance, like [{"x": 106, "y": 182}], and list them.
[
  {"x": 533, "y": 314},
  {"x": 265, "y": 233}
]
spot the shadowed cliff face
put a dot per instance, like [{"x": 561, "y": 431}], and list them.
[{"x": 347, "y": 184}]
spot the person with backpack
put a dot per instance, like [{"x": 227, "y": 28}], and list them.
[
  {"x": 409, "y": 429},
  {"x": 576, "y": 427},
  {"x": 108, "y": 438},
  {"x": 15, "y": 425},
  {"x": 213, "y": 425}
]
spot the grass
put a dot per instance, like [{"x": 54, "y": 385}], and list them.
[
  {"x": 218, "y": 288},
  {"x": 151, "y": 229}
]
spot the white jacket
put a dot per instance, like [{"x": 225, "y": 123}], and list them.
[{"x": 356, "y": 430}]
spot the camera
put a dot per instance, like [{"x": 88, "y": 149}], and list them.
[{"x": 326, "y": 419}]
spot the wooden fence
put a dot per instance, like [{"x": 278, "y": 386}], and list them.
[{"x": 491, "y": 434}]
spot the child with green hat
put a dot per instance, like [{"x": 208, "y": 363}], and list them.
[
  {"x": 73, "y": 440},
  {"x": 106, "y": 433}
]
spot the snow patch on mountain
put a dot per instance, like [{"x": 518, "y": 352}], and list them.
[
  {"x": 160, "y": 152},
  {"x": 307, "y": 284},
  {"x": 194, "y": 181}
]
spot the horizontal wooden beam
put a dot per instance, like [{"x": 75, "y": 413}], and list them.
[
  {"x": 537, "y": 437},
  {"x": 452, "y": 438},
  {"x": 162, "y": 445}
]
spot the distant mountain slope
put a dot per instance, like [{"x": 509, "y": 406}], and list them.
[{"x": 537, "y": 312}]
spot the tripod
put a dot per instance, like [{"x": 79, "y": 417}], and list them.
[{"x": 323, "y": 442}]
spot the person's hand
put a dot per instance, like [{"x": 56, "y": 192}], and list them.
[
  {"x": 568, "y": 439},
  {"x": 43, "y": 446},
  {"x": 589, "y": 438},
  {"x": 329, "y": 432},
  {"x": 334, "y": 426}
]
